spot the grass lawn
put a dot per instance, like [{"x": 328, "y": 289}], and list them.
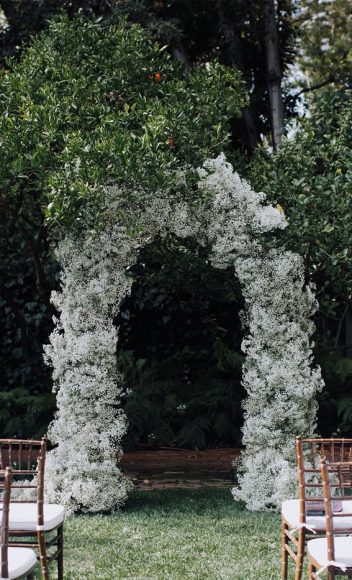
[{"x": 176, "y": 534}]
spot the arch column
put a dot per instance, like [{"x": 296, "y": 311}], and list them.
[
  {"x": 278, "y": 376},
  {"x": 82, "y": 471}
]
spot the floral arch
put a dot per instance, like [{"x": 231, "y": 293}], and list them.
[{"x": 278, "y": 375}]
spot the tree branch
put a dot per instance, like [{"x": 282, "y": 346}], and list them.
[
  {"x": 39, "y": 272},
  {"x": 315, "y": 87},
  {"x": 232, "y": 45},
  {"x": 339, "y": 329}
]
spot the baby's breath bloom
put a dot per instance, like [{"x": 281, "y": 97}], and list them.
[{"x": 278, "y": 375}]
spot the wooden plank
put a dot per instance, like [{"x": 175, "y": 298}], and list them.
[{"x": 183, "y": 468}]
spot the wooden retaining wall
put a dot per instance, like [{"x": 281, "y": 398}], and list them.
[{"x": 180, "y": 468}]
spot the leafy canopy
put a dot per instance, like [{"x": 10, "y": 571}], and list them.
[
  {"x": 85, "y": 105},
  {"x": 325, "y": 30},
  {"x": 311, "y": 177},
  {"x": 88, "y": 105}
]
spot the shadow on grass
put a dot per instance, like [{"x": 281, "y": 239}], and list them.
[{"x": 182, "y": 501}]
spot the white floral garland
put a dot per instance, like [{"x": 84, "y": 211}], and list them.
[{"x": 281, "y": 384}]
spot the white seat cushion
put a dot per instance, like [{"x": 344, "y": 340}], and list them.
[
  {"x": 21, "y": 561},
  {"x": 23, "y": 516},
  {"x": 343, "y": 551},
  {"x": 290, "y": 511}
]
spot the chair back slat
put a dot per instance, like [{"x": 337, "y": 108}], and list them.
[
  {"x": 301, "y": 480},
  {"x": 329, "y": 526},
  {"x": 26, "y": 458},
  {"x": 5, "y": 486},
  {"x": 21, "y": 455},
  {"x": 314, "y": 455},
  {"x": 30, "y": 458},
  {"x": 328, "y": 471},
  {"x": 311, "y": 487},
  {"x": 40, "y": 493}
]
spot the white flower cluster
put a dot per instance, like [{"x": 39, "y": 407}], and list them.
[
  {"x": 82, "y": 470},
  {"x": 278, "y": 376},
  {"x": 236, "y": 216}
]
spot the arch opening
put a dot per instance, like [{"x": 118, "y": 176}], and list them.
[{"x": 179, "y": 349}]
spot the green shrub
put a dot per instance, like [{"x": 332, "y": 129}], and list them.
[
  {"x": 87, "y": 105},
  {"x": 311, "y": 177}
]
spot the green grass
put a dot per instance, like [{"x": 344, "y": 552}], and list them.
[{"x": 174, "y": 534}]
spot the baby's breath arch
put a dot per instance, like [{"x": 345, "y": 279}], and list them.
[{"x": 278, "y": 376}]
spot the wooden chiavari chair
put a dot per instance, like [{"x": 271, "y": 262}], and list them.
[
  {"x": 298, "y": 522},
  {"x": 32, "y": 523},
  {"x": 332, "y": 553},
  {"x": 15, "y": 563}
]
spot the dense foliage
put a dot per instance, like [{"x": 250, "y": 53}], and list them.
[
  {"x": 85, "y": 105},
  {"x": 325, "y": 31},
  {"x": 20, "y": 20},
  {"x": 85, "y": 102},
  {"x": 311, "y": 177},
  {"x": 234, "y": 33},
  {"x": 26, "y": 401}
]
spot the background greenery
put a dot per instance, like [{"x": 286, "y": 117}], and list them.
[
  {"x": 97, "y": 99},
  {"x": 180, "y": 336},
  {"x": 311, "y": 176}
]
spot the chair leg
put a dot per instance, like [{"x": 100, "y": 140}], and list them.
[
  {"x": 300, "y": 554},
  {"x": 310, "y": 571},
  {"x": 284, "y": 553},
  {"x": 60, "y": 557},
  {"x": 43, "y": 556}
]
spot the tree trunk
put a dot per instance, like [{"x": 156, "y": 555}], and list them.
[
  {"x": 179, "y": 52},
  {"x": 348, "y": 332},
  {"x": 252, "y": 133},
  {"x": 38, "y": 266},
  {"x": 234, "y": 53},
  {"x": 272, "y": 57}
]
